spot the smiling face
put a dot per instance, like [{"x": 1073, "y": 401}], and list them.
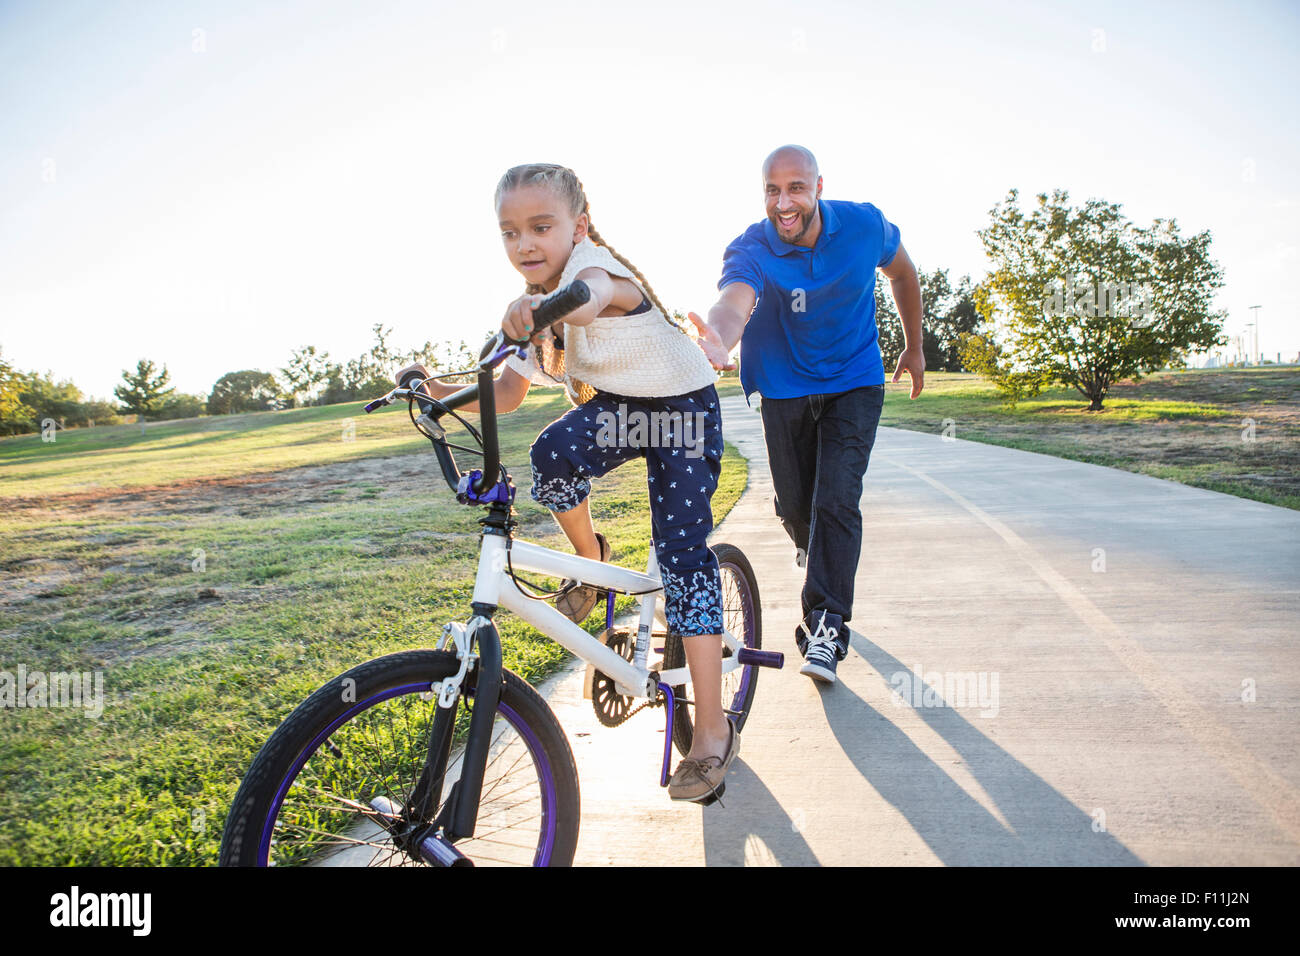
[
  {"x": 792, "y": 186},
  {"x": 539, "y": 231}
]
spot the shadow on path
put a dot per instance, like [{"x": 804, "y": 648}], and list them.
[
  {"x": 1046, "y": 829},
  {"x": 753, "y": 828}
]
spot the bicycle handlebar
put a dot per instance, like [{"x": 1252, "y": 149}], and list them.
[
  {"x": 551, "y": 309},
  {"x": 560, "y": 303}
]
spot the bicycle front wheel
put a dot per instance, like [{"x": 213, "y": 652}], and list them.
[
  {"x": 742, "y": 617},
  {"x": 347, "y": 780}
]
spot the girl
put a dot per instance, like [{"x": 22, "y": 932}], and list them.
[{"x": 619, "y": 355}]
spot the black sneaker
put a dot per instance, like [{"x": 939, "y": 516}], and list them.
[{"x": 821, "y": 650}]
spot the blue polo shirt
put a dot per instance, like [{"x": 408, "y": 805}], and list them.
[{"x": 813, "y": 330}]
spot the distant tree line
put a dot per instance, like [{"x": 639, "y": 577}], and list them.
[
  {"x": 309, "y": 378},
  {"x": 1078, "y": 296},
  {"x": 947, "y": 313}
]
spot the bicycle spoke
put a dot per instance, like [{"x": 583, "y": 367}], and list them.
[{"x": 326, "y": 816}]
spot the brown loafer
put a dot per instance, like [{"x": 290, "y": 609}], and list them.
[
  {"x": 577, "y": 600},
  {"x": 704, "y": 781}
]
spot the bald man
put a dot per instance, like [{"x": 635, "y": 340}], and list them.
[{"x": 798, "y": 293}]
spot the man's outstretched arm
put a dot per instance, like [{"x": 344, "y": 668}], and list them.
[
  {"x": 906, "y": 288},
  {"x": 726, "y": 323}
]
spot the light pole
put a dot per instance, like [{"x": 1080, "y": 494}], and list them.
[
  {"x": 1247, "y": 338},
  {"x": 1255, "y": 309}
]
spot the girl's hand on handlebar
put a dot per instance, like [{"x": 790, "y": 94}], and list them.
[
  {"x": 518, "y": 321},
  {"x": 416, "y": 367}
]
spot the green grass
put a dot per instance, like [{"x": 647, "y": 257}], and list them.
[
  {"x": 1185, "y": 426},
  {"x": 303, "y": 572},
  {"x": 197, "y": 449}
]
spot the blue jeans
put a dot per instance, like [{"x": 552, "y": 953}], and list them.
[{"x": 818, "y": 447}]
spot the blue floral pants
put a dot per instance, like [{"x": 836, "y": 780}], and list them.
[{"x": 680, "y": 439}]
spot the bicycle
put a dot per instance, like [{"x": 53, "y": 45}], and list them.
[{"x": 363, "y": 772}]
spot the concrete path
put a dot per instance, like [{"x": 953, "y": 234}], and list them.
[{"x": 1115, "y": 665}]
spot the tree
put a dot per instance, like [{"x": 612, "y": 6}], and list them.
[
  {"x": 1084, "y": 297},
  {"x": 247, "y": 391},
  {"x": 15, "y": 416},
  {"x": 181, "y": 405},
  {"x": 889, "y": 328},
  {"x": 371, "y": 373},
  {"x": 946, "y": 313},
  {"x": 446, "y": 357},
  {"x": 949, "y": 314},
  {"x": 982, "y": 355},
  {"x": 142, "y": 392},
  {"x": 306, "y": 372}
]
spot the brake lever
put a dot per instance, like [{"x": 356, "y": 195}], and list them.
[
  {"x": 433, "y": 430},
  {"x": 499, "y": 348}
]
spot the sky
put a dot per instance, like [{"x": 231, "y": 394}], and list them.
[{"x": 211, "y": 185}]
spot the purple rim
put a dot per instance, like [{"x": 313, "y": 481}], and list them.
[{"x": 543, "y": 855}]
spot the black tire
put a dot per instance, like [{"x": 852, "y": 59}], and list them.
[
  {"x": 327, "y": 745},
  {"x": 741, "y": 608}
]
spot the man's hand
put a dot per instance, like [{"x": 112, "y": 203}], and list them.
[
  {"x": 711, "y": 344},
  {"x": 912, "y": 361}
]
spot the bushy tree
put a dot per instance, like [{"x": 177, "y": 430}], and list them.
[
  {"x": 1084, "y": 297},
  {"x": 61, "y": 401},
  {"x": 15, "y": 417},
  {"x": 249, "y": 390},
  {"x": 982, "y": 355},
  {"x": 99, "y": 412},
  {"x": 28, "y": 398},
  {"x": 181, "y": 405}
]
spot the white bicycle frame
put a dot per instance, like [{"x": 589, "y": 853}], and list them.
[{"x": 493, "y": 585}]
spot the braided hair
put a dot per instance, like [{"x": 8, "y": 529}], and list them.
[{"x": 568, "y": 187}]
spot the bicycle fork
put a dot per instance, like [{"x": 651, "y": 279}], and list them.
[
  {"x": 466, "y": 791},
  {"x": 433, "y": 841}
]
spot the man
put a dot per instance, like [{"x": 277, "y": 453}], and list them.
[{"x": 798, "y": 293}]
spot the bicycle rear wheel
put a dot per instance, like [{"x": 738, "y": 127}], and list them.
[
  {"x": 742, "y": 617},
  {"x": 334, "y": 785}
]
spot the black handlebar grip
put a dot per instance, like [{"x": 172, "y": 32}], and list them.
[
  {"x": 560, "y": 303},
  {"x": 420, "y": 398}
]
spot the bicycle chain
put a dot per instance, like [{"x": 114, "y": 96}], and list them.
[{"x": 615, "y": 721}]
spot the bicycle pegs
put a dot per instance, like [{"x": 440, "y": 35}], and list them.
[{"x": 504, "y": 493}]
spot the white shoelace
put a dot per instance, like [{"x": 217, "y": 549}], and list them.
[
  {"x": 822, "y": 652},
  {"x": 822, "y": 643}
]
